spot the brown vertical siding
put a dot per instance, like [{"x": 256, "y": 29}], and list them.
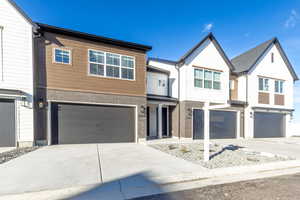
[
  {"x": 186, "y": 117},
  {"x": 234, "y": 92},
  {"x": 279, "y": 99},
  {"x": 263, "y": 98},
  {"x": 75, "y": 76},
  {"x": 174, "y": 120}
]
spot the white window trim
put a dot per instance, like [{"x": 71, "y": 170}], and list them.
[
  {"x": 62, "y": 49},
  {"x": 120, "y": 66},
  {"x": 282, "y": 87},
  {"x": 266, "y": 91},
  {"x": 203, "y": 79}
]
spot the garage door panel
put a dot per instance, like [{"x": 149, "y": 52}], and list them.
[
  {"x": 7, "y": 123},
  {"x": 222, "y": 124},
  {"x": 95, "y": 124},
  {"x": 268, "y": 125}
]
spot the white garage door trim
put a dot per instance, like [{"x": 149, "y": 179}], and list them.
[{"x": 49, "y": 122}]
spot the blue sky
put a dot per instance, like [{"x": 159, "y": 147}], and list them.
[{"x": 172, "y": 27}]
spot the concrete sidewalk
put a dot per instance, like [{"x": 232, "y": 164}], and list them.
[{"x": 139, "y": 185}]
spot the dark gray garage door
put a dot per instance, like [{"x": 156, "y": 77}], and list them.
[
  {"x": 7, "y": 123},
  {"x": 222, "y": 124},
  {"x": 77, "y": 124},
  {"x": 269, "y": 125}
]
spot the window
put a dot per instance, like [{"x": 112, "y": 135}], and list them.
[
  {"x": 96, "y": 59},
  {"x": 198, "y": 78},
  {"x": 263, "y": 84},
  {"x": 111, "y": 65},
  {"x": 217, "y": 80},
  {"x": 62, "y": 56},
  {"x": 279, "y": 86},
  {"x": 127, "y": 67},
  {"x": 207, "y": 79},
  {"x": 272, "y": 57}
]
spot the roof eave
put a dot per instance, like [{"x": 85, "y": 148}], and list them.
[{"x": 91, "y": 37}]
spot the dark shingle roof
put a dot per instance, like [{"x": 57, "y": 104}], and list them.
[{"x": 245, "y": 61}]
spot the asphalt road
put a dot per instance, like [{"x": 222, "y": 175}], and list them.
[{"x": 276, "y": 188}]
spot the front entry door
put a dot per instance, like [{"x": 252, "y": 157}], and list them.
[{"x": 164, "y": 119}]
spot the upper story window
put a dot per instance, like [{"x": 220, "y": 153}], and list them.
[
  {"x": 279, "y": 86},
  {"x": 207, "y": 79},
  {"x": 263, "y": 84},
  {"x": 272, "y": 57},
  {"x": 198, "y": 78},
  {"x": 62, "y": 56},
  {"x": 111, "y": 65}
]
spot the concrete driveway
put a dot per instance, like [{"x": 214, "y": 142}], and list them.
[
  {"x": 61, "y": 166},
  {"x": 280, "y": 146}
]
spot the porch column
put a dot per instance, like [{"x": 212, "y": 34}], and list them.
[
  {"x": 159, "y": 125},
  {"x": 206, "y": 131}
]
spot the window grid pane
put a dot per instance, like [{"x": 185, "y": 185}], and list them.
[
  {"x": 112, "y": 71},
  {"x": 127, "y": 62},
  {"x": 62, "y": 56},
  {"x": 112, "y": 59}
]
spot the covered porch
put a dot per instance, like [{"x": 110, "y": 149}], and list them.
[{"x": 161, "y": 117}]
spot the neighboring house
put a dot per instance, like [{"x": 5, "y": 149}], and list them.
[
  {"x": 256, "y": 89},
  {"x": 265, "y": 80},
  {"x": 16, "y": 76},
  {"x": 201, "y": 75},
  {"x": 90, "y": 89}
]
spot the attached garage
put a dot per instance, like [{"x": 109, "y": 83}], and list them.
[
  {"x": 79, "y": 124},
  {"x": 7, "y": 123},
  {"x": 268, "y": 125},
  {"x": 223, "y": 124}
]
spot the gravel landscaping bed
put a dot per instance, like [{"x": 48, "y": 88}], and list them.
[
  {"x": 9, "y": 155},
  {"x": 227, "y": 156}
]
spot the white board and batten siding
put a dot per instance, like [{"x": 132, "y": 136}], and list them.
[
  {"x": 208, "y": 57},
  {"x": 157, "y": 84},
  {"x": 173, "y": 76},
  {"x": 265, "y": 68},
  {"x": 17, "y": 70}
]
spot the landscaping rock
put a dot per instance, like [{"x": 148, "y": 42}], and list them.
[
  {"x": 9, "y": 155},
  {"x": 227, "y": 156}
]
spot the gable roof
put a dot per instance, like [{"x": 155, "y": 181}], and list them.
[
  {"x": 91, "y": 37},
  {"x": 211, "y": 37},
  {"x": 22, "y": 13},
  {"x": 247, "y": 60}
]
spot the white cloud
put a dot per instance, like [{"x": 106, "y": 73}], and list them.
[
  {"x": 292, "y": 19},
  {"x": 207, "y": 27}
]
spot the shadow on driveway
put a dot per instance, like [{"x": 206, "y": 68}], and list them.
[{"x": 137, "y": 185}]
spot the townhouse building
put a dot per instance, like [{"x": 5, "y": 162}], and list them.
[{"x": 61, "y": 86}]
